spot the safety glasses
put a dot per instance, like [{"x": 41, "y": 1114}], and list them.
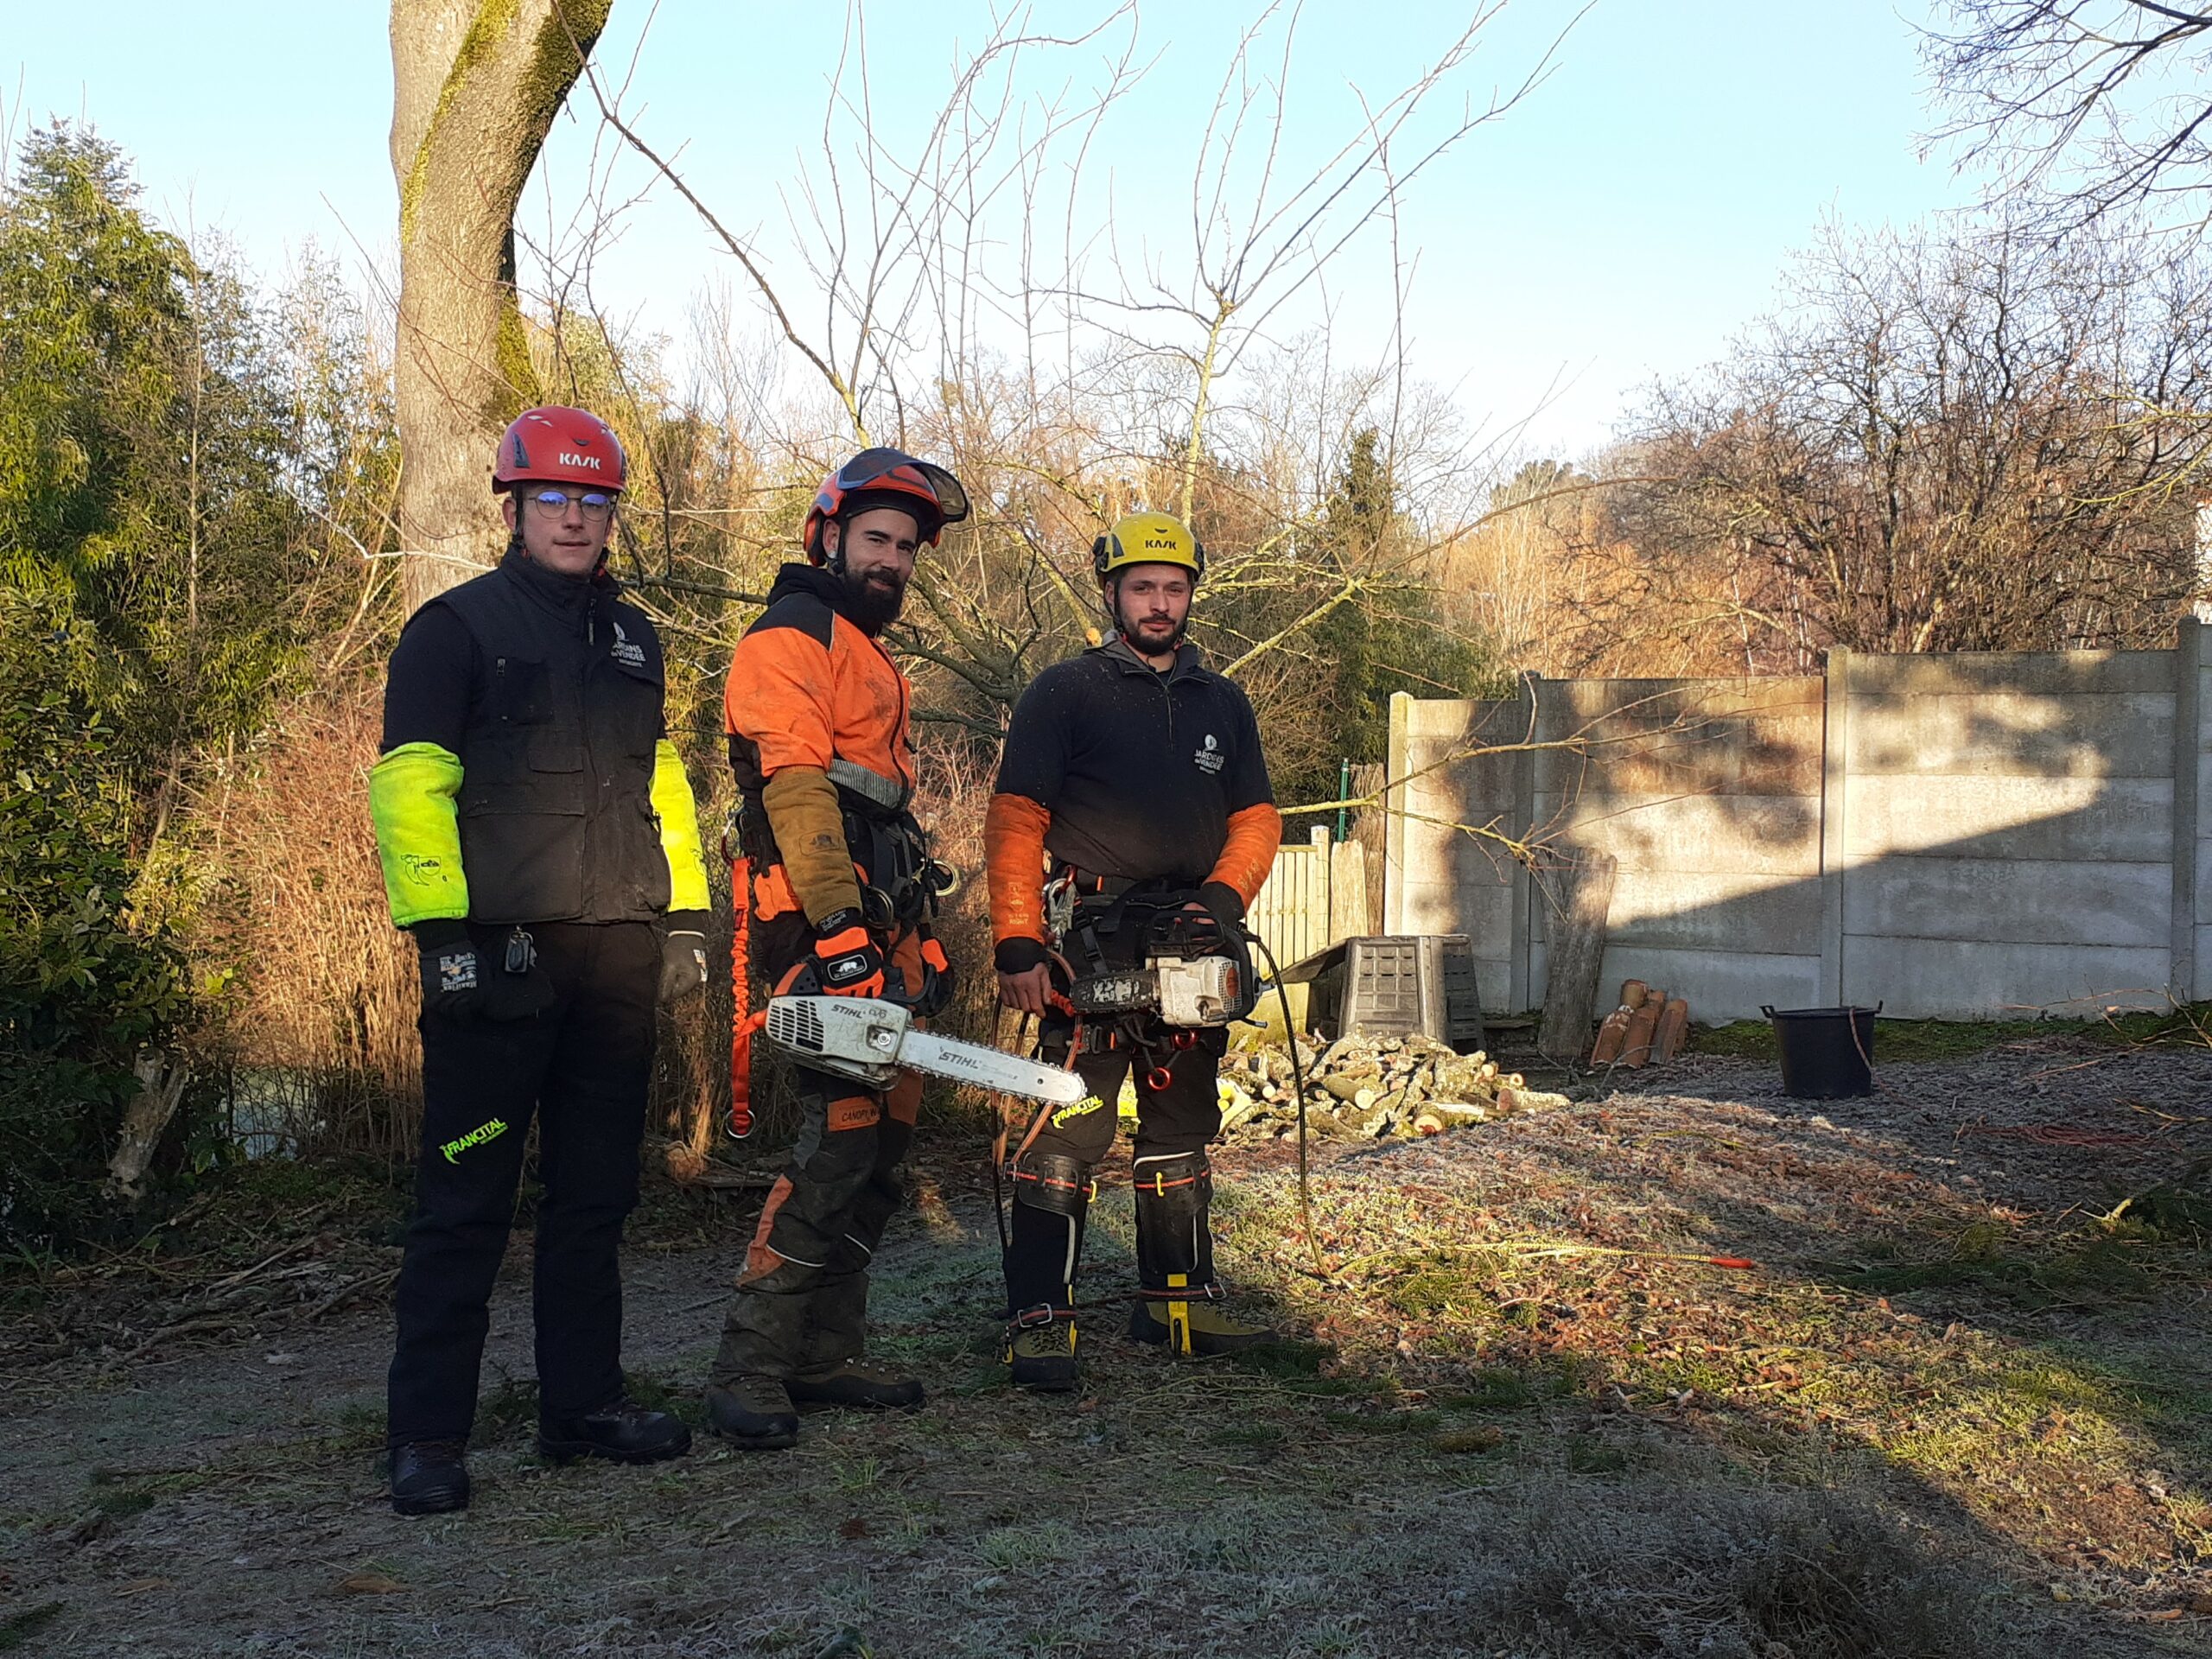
[{"x": 593, "y": 505}]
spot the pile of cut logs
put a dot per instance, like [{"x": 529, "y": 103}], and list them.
[
  {"x": 1648, "y": 1025},
  {"x": 1372, "y": 1087}
]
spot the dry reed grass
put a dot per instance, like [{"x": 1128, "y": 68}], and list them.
[{"x": 326, "y": 990}]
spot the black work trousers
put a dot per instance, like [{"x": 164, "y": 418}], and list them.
[
  {"x": 1179, "y": 1113},
  {"x": 1177, "y": 1116},
  {"x": 580, "y": 1068}
]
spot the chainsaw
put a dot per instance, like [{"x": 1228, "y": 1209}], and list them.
[
  {"x": 1194, "y": 972},
  {"x": 872, "y": 1040}
]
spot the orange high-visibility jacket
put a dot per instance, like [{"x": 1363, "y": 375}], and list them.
[{"x": 813, "y": 704}]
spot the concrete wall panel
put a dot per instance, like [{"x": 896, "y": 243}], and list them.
[
  {"x": 2130, "y": 819},
  {"x": 2010, "y": 734},
  {"x": 1769, "y": 835},
  {"x": 2040, "y": 673},
  {"x": 1725, "y": 912},
  {"x": 2024, "y": 901},
  {"x": 1435, "y": 907},
  {"x": 1958, "y": 979},
  {"x": 1958, "y": 836},
  {"x": 1662, "y": 701},
  {"x": 1769, "y": 755}
]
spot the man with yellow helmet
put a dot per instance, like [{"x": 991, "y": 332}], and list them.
[{"x": 1132, "y": 779}]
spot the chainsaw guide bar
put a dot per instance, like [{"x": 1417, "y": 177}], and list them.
[{"x": 871, "y": 1041}]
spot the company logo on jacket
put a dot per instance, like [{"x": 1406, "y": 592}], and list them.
[
  {"x": 626, "y": 651},
  {"x": 1209, "y": 758}
]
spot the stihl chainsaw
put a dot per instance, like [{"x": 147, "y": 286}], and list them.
[{"x": 871, "y": 1040}]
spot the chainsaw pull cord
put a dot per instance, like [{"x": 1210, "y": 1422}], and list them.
[{"x": 1297, "y": 1083}]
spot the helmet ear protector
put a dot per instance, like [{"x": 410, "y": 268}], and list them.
[{"x": 1149, "y": 538}]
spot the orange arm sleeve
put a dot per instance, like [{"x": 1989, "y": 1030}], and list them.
[
  {"x": 1249, "y": 853},
  {"x": 1013, "y": 864}
]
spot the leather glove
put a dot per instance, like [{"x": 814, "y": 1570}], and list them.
[
  {"x": 460, "y": 983},
  {"x": 846, "y": 955},
  {"x": 684, "y": 956}
]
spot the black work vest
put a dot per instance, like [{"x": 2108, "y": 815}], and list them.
[{"x": 556, "y": 814}]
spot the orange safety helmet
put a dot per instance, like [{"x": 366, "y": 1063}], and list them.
[
  {"x": 558, "y": 445},
  {"x": 885, "y": 477}
]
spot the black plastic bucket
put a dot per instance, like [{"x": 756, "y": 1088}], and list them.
[{"x": 1826, "y": 1053}]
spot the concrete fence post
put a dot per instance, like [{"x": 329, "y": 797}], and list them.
[
  {"x": 1395, "y": 768},
  {"x": 1836, "y": 779},
  {"x": 2189, "y": 662},
  {"x": 1521, "y": 978}
]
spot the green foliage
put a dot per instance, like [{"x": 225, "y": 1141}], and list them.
[
  {"x": 1390, "y": 637},
  {"x": 81, "y": 987},
  {"x": 163, "y": 450}
]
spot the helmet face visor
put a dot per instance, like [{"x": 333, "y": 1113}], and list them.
[{"x": 893, "y": 470}]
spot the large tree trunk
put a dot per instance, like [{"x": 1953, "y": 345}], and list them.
[{"x": 475, "y": 86}]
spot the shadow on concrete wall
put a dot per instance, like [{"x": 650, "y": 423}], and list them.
[{"x": 1952, "y": 836}]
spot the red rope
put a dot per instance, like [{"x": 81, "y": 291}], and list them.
[{"x": 740, "y": 985}]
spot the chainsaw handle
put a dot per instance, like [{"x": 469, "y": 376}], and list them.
[{"x": 805, "y": 979}]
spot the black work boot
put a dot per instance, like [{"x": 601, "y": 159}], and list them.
[
  {"x": 831, "y": 1372},
  {"x": 429, "y": 1477},
  {"x": 748, "y": 1398},
  {"x": 1179, "y": 1299},
  {"x": 1052, "y": 1200},
  {"x": 624, "y": 1431}
]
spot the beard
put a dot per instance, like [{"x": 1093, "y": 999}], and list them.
[
  {"x": 873, "y": 599},
  {"x": 1148, "y": 638}
]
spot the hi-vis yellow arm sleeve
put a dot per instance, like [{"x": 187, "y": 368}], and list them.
[
  {"x": 679, "y": 830},
  {"x": 418, "y": 832}
]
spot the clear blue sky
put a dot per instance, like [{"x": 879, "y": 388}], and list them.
[{"x": 1619, "y": 224}]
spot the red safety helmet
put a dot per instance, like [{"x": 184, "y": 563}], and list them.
[
  {"x": 558, "y": 445},
  {"x": 885, "y": 477}
]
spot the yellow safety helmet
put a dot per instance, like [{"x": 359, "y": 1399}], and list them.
[{"x": 1149, "y": 538}]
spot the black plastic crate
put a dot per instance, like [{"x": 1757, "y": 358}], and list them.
[{"x": 1396, "y": 986}]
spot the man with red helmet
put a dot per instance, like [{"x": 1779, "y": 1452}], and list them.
[
  {"x": 540, "y": 842},
  {"x": 840, "y": 889}
]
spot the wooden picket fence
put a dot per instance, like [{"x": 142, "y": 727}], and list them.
[{"x": 1315, "y": 895}]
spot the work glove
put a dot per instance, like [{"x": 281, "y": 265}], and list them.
[
  {"x": 846, "y": 957},
  {"x": 934, "y": 994},
  {"x": 1226, "y": 906},
  {"x": 460, "y": 984},
  {"x": 684, "y": 956}
]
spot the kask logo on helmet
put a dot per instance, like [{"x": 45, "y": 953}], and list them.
[{"x": 567, "y": 460}]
